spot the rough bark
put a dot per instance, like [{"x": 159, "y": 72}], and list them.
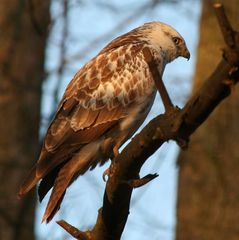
[
  {"x": 176, "y": 124},
  {"x": 23, "y": 34},
  {"x": 208, "y": 206}
]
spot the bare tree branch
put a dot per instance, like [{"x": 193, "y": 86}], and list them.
[
  {"x": 88, "y": 48},
  {"x": 62, "y": 63},
  {"x": 74, "y": 231},
  {"x": 176, "y": 124}
]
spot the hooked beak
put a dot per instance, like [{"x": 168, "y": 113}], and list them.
[{"x": 185, "y": 53}]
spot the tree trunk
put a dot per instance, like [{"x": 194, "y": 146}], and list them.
[
  {"x": 208, "y": 193},
  {"x": 23, "y": 34}
]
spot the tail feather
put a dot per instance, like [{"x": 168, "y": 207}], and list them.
[
  {"x": 34, "y": 176},
  {"x": 47, "y": 182},
  {"x": 54, "y": 210},
  {"x": 61, "y": 183},
  {"x": 71, "y": 170},
  {"x": 28, "y": 183}
]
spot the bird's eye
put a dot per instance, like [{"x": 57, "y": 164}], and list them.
[{"x": 177, "y": 40}]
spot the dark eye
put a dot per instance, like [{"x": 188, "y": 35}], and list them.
[{"x": 177, "y": 40}]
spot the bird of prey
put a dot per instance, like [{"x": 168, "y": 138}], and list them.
[{"x": 104, "y": 104}]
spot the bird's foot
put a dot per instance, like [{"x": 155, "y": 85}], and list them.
[
  {"x": 135, "y": 183},
  {"x": 108, "y": 172}
]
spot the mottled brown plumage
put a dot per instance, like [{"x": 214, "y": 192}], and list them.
[{"x": 103, "y": 105}]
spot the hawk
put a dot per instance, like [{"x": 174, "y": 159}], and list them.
[{"x": 103, "y": 105}]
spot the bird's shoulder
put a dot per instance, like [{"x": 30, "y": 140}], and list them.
[{"x": 111, "y": 76}]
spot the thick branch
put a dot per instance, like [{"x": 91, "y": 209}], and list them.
[
  {"x": 176, "y": 124},
  {"x": 179, "y": 124}
]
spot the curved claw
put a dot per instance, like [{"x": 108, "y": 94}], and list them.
[{"x": 106, "y": 173}]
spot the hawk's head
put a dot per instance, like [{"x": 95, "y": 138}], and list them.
[
  {"x": 165, "y": 39},
  {"x": 160, "y": 37}
]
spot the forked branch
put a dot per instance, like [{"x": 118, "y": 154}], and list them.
[{"x": 174, "y": 124}]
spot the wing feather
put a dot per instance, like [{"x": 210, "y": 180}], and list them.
[
  {"x": 85, "y": 107},
  {"x": 92, "y": 104},
  {"x": 83, "y": 118},
  {"x": 97, "y": 98}
]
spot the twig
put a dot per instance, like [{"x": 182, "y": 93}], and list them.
[
  {"x": 74, "y": 232},
  {"x": 168, "y": 105},
  {"x": 225, "y": 26},
  {"x": 62, "y": 63},
  {"x": 230, "y": 36},
  {"x": 125, "y": 22}
]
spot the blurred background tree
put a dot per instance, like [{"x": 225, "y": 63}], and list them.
[
  {"x": 23, "y": 35},
  {"x": 208, "y": 193},
  {"x": 78, "y": 30}
]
